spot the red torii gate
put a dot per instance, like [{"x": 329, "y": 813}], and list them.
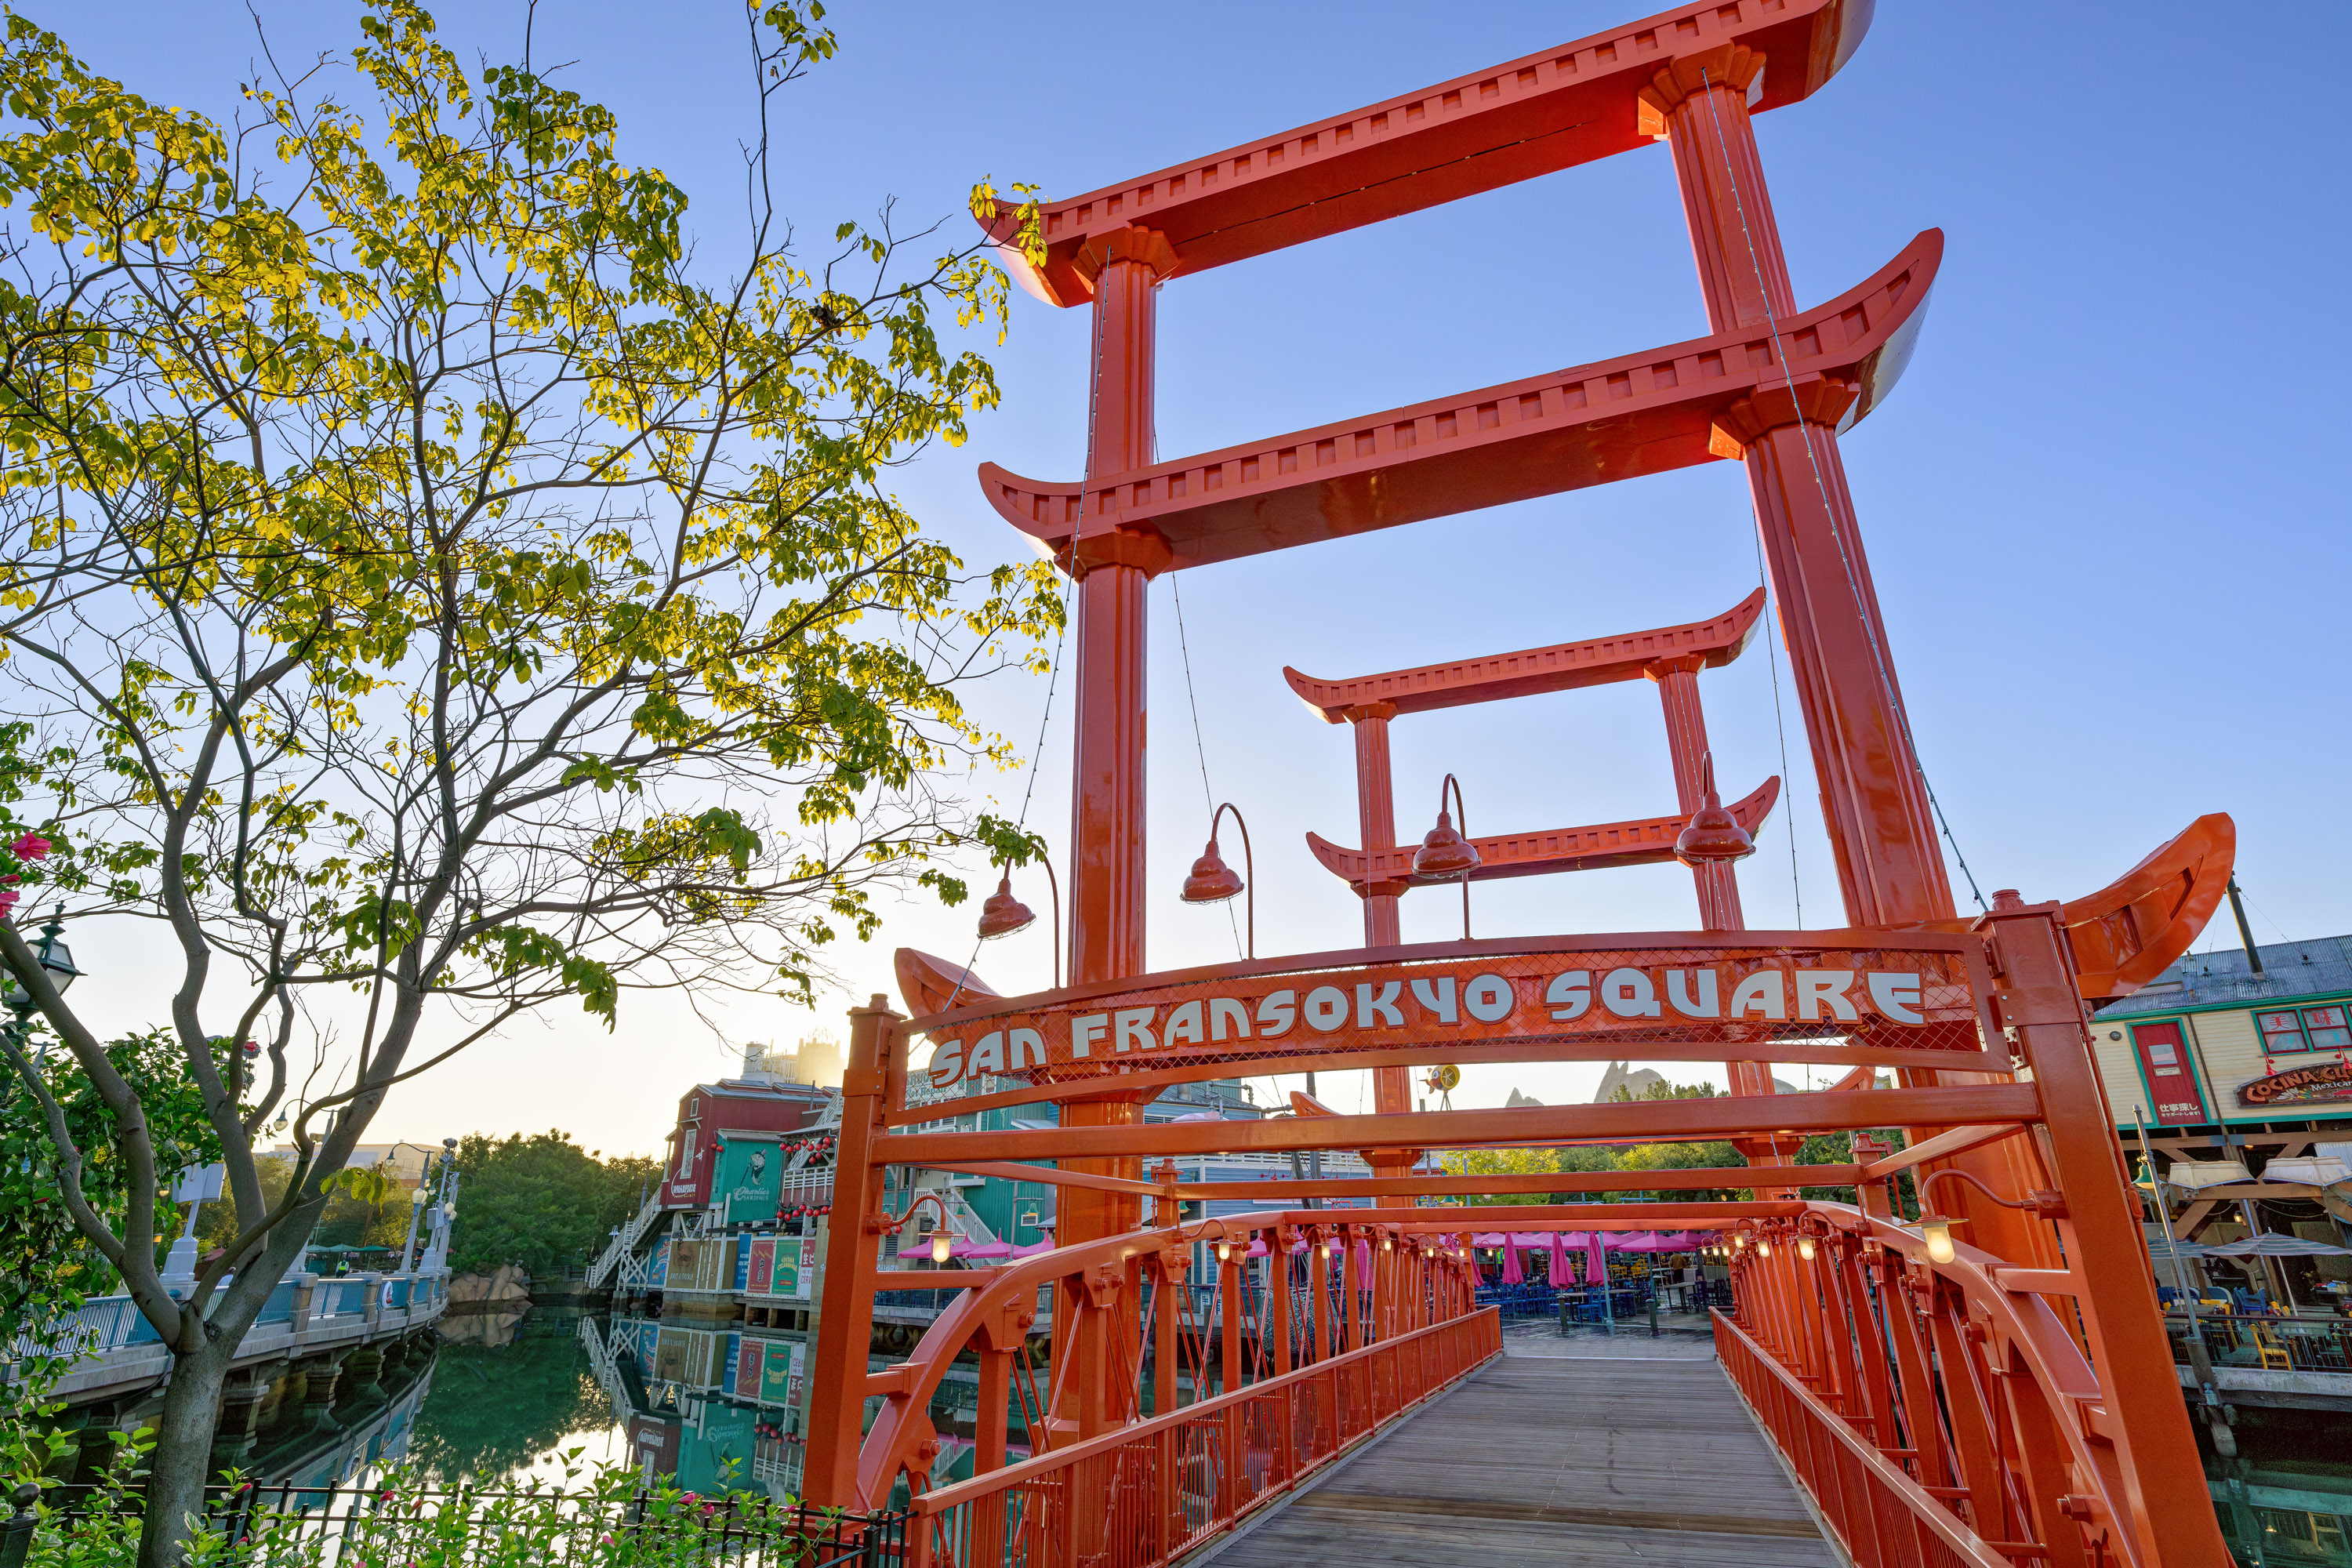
[
  {"x": 2101, "y": 1457},
  {"x": 1671, "y": 657}
]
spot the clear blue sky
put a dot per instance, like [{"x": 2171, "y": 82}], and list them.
[{"x": 2105, "y": 524}]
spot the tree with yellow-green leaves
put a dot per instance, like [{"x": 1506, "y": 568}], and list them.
[{"x": 437, "y": 585}]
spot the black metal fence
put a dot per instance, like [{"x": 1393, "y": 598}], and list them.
[{"x": 292, "y": 1526}]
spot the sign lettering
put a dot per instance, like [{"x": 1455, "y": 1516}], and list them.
[
  {"x": 2319, "y": 1081},
  {"x": 1894, "y": 998}
]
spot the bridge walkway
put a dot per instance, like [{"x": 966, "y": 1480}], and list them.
[{"x": 1563, "y": 1453}]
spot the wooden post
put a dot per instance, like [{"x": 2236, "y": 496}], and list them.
[{"x": 837, "y": 1398}]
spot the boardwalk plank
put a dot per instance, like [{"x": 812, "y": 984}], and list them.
[{"x": 1558, "y": 1462}]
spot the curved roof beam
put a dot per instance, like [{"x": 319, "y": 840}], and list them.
[
  {"x": 1593, "y": 848},
  {"x": 1590, "y": 425},
  {"x": 1531, "y": 672},
  {"x": 1565, "y": 106}
]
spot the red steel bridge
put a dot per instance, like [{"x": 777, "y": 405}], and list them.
[{"x": 2005, "y": 1399}]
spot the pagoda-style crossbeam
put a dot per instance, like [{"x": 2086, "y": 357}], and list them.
[
  {"x": 1596, "y": 424},
  {"x": 1573, "y": 104},
  {"x": 1531, "y": 672},
  {"x": 1377, "y": 872}
]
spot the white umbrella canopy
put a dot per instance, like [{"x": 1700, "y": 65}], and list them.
[{"x": 2272, "y": 1244}]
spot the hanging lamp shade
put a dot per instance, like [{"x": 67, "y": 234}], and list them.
[
  {"x": 1212, "y": 882},
  {"x": 1712, "y": 835},
  {"x": 1003, "y": 914},
  {"x": 1444, "y": 853}
]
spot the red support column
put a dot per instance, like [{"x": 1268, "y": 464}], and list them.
[
  {"x": 1889, "y": 865},
  {"x": 1376, "y": 817},
  {"x": 1678, "y": 683},
  {"x": 1717, "y": 883},
  {"x": 1114, "y": 569},
  {"x": 1882, "y": 829}
]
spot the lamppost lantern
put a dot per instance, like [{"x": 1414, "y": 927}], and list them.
[
  {"x": 939, "y": 1242},
  {"x": 1445, "y": 854},
  {"x": 1212, "y": 882},
  {"x": 56, "y": 960},
  {"x": 54, "y": 955},
  {"x": 1002, "y": 914},
  {"x": 1712, "y": 835}
]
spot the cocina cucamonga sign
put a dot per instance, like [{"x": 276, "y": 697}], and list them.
[{"x": 1869, "y": 995}]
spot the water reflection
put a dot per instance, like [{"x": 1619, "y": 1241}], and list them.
[
  {"x": 2286, "y": 1501},
  {"x": 512, "y": 1394}
]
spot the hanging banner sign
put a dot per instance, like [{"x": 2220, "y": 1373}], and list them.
[
  {"x": 1660, "y": 1003},
  {"x": 2321, "y": 1081}
]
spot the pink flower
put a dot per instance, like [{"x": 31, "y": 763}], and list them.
[
  {"x": 7, "y": 901},
  {"x": 31, "y": 846},
  {"x": 605, "y": 1539}
]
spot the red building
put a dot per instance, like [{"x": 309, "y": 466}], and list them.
[{"x": 737, "y": 1110}]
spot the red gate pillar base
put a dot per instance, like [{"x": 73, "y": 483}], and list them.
[{"x": 2147, "y": 1418}]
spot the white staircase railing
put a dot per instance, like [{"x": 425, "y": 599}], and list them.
[
  {"x": 624, "y": 1243},
  {"x": 608, "y": 1372},
  {"x": 965, "y": 1221}
]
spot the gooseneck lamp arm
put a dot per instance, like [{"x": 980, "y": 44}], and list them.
[
  {"x": 1249, "y": 875},
  {"x": 1054, "y": 884},
  {"x": 1462, "y": 815}
]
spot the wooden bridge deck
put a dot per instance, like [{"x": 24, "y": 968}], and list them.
[{"x": 1558, "y": 1461}]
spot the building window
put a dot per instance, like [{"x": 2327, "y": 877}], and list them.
[
  {"x": 2282, "y": 1032},
  {"x": 2326, "y": 1028}
]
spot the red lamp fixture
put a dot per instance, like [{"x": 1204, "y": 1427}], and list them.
[
  {"x": 1003, "y": 914},
  {"x": 1445, "y": 854},
  {"x": 1712, "y": 835},
  {"x": 1212, "y": 882}
]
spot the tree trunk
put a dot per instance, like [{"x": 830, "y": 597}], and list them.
[{"x": 184, "y": 1450}]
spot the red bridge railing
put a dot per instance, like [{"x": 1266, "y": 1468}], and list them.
[
  {"x": 1151, "y": 1492},
  {"x": 1936, "y": 1412}
]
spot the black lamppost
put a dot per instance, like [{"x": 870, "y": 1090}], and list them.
[{"x": 56, "y": 958}]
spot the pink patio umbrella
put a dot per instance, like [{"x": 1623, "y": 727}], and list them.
[
  {"x": 1559, "y": 1274},
  {"x": 1596, "y": 1259},
  {"x": 1363, "y": 1263},
  {"x": 981, "y": 1249},
  {"x": 1257, "y": 1249},
  {"x": 1512, "y": 1273}
]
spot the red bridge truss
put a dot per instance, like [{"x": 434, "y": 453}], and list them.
[{"x": 2006, "y": 1400}]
